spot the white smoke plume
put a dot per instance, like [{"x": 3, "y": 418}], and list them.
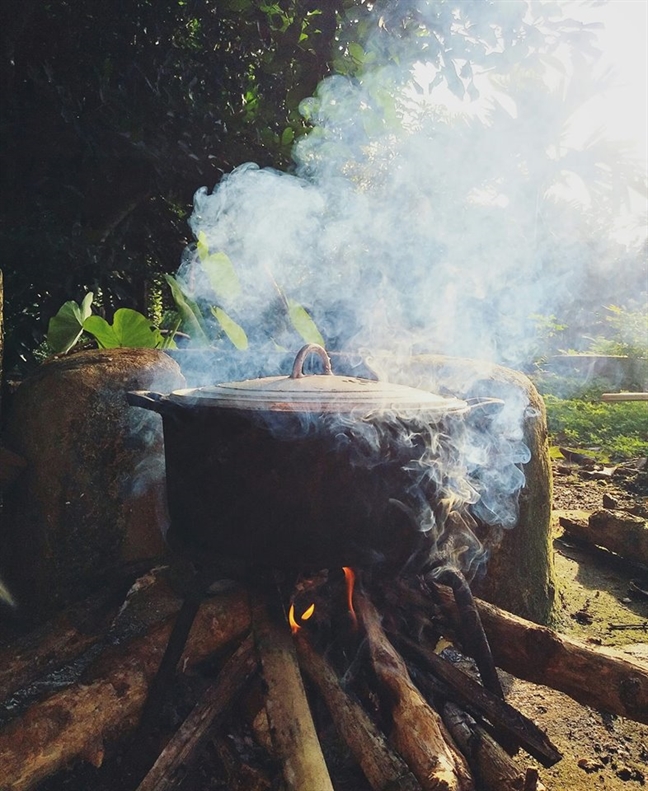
[{"x": 402, "y": 229}]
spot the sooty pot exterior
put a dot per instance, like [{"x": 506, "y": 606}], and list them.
[{"x": 297, "y": 474}]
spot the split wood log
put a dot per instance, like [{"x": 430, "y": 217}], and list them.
[
  {"x": 74, "y": 722},
  {"x": 418, "y": 732},
  {"x": 593, "y": 677},
  {"x": 618, "y": 531},
  {"x": 192, "y": 733},
  {"x": 504, "y": 717},
  {"x": 292, "y": 729},
  {"x": 383, "y": 768},
  {"x": 491, "y": 764}
]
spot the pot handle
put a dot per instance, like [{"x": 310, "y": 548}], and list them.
[
  {"x": 156, "y": 402},
  {"x": 302, "y": 354}
]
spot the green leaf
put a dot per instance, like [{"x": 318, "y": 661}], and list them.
[
  {"x": 102, "y": 331},
  {"x": 86, "y": 306},
  {"x": 130, "y": 329},
  {"x": 222, "y": 275},
  {"x": 357, "y": 52},
  {"x": 65, "y": 329},
  {"x": 304, "y": 324},
  {"x": 134, "y": 329},
  {"x": 201, "y": 245},
  {"x": 287, "y": 136},
  {"x": 189, "y": 312},
  {"x": 234, "y": 331}
]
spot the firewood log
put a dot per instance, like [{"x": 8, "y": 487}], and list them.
[
  {"x": 74, "y": 722},
  {"x": 507, "y": 721},
  {"x": 240, "y": 776},
  {"x": 491, "y": 765},
  {"x": 382, "y": 767},
  {"x": 113, "y": 611},
  {"x": 291, "y": 725},
  {"x": 418, "y": 732},
  {"x": 193, "y": 731},
  {"x": 618, "y": 531},
  {"x": 593, "y": 677}
]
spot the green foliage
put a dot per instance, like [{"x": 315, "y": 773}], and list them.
[
  {"x": 113, "y": 119},
  {"x": 627, "y": 333},
  {"x": 304, "y": 324},
  {"x": 226, "y": 287},
  {"x": 617, "y": 430},
  {"x": 189, "y": 312},
  {"x": 129, "y": 329},
  {"x": 66, "y": 327},
  {"x": 234, "y": 331},
  {"x": 219, "y": 269}
]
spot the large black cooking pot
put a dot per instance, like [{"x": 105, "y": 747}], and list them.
[{"x": 301, "y": 470}]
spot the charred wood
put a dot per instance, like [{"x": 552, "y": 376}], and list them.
[
  {"x": 192, "y": 733},
  {"x": 383, "y": 768},
  {"x": 460, "y": 687},
  {"x": 491, "y": 765},
  {"x": 240, "y": 776},
  {"x": 61, "y": 640},
  {"x": 472, "y": 632}
]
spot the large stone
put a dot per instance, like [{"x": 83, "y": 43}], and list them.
[
  {"x": 519, "y": 575},
  {"x": 92, "y": 495}
]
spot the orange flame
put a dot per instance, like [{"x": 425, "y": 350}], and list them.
[
  {"x": 294, "y": 626},
  {"x": 349, "y": 576}
]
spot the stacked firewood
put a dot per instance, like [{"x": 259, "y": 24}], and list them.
[{"x": 411, "y": 719}]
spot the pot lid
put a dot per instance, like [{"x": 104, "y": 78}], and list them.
[{"x": 325, "y": 392}]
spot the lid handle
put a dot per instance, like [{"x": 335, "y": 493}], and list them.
[{"x": 302, "y": 354}]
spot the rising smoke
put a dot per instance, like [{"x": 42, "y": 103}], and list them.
[{"x": 403, "y": 229}]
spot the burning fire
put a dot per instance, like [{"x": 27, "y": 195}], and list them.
[
  {"x": 294, "y": 626},
  {"x": 349, "y": 577}
]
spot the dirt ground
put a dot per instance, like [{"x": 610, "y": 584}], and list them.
[{"x": 595, "y": 594}]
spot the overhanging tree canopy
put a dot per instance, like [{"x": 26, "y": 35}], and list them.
[{"x": 114, "y": 113}]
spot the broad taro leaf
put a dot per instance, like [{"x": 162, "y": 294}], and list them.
[
  {"x": 234, "y": 331},
  {"x": 102, "y": 331},
  {"x": 304, "y": 324},
  {"x": 65, "y": 329},
  {"x": 189, "y": 312},
  {"x": 129, "y": 329}
]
